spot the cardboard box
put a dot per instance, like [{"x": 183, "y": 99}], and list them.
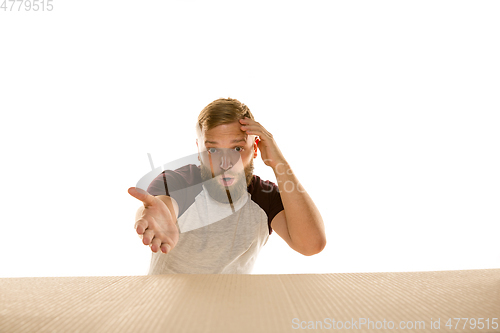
[{"x": 366, "y": 302}]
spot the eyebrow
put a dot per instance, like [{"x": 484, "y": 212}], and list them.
[{"x": 234, "y": 141}]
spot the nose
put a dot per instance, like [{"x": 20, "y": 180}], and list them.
[{"x": 226, "y": 163}]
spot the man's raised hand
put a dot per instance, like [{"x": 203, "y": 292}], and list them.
[{"x": 155, "y": 223}]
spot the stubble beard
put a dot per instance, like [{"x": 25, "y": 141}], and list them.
[{"x": 218, "y": 191}]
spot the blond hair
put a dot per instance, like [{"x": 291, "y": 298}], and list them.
[{"x": 219, "y": 112}]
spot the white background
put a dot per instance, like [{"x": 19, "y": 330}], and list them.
[{"x": 387, "y": 111}]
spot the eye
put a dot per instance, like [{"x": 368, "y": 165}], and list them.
[
  {"x": 212, "y": 150},
  {"x": 239, "y": 149}
]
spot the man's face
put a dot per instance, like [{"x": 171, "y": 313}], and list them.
[{"x": 226, "y": 155}]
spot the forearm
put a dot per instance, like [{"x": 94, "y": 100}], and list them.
[{"x": 304, "y": 221}]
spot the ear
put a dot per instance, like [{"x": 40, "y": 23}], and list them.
[{"x": 255, "y": 146}]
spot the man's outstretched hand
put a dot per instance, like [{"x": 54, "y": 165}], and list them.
[{"x": 155, "y": 223}]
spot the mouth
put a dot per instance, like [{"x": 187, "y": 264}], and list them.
[{"x": 226, "y": 181}]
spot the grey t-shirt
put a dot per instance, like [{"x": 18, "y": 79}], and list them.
[{"x": 214, "y": 238}]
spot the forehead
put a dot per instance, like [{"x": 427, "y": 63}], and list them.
[{"x": 225, "y": 134}]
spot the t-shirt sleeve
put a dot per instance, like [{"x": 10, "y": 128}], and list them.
[
  {"x": 267, "y": 195},
  {"x": 161, "y": 184},
  {"x": 178, "y": 184}
]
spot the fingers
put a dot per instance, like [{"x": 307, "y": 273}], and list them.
[
  {"x": 250, "y": 126},
  {"x": 148, "y": 236},
  {"x": 254, "y": 130},
  {"x": 158, "y": 245},
  {"x": 165, "y": 248},
  {"x": 142, "y": 195},
  {"x": 141, "y": 225},
  {"x": 249, "y": 122},
  {"x": 155, "y": 225},
  {"x": 155, "y": 244},
  {"x": 157, "y": 241}
]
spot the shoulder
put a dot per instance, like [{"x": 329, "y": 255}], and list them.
[
  {"x": 189, "y": 173},
  {"x": 264, "y": 192},
  {"x": 172, "y": 180},
  {"x": 260, "y": 187},
  {"x": 182, "y": 184}
]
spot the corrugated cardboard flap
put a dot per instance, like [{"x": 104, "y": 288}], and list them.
[{"x": 249, "y": 303}]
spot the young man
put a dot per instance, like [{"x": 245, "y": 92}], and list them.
[{"x": 215, "y": 218}]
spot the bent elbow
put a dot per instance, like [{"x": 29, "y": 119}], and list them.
[{"x": 319, "y": 246}]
